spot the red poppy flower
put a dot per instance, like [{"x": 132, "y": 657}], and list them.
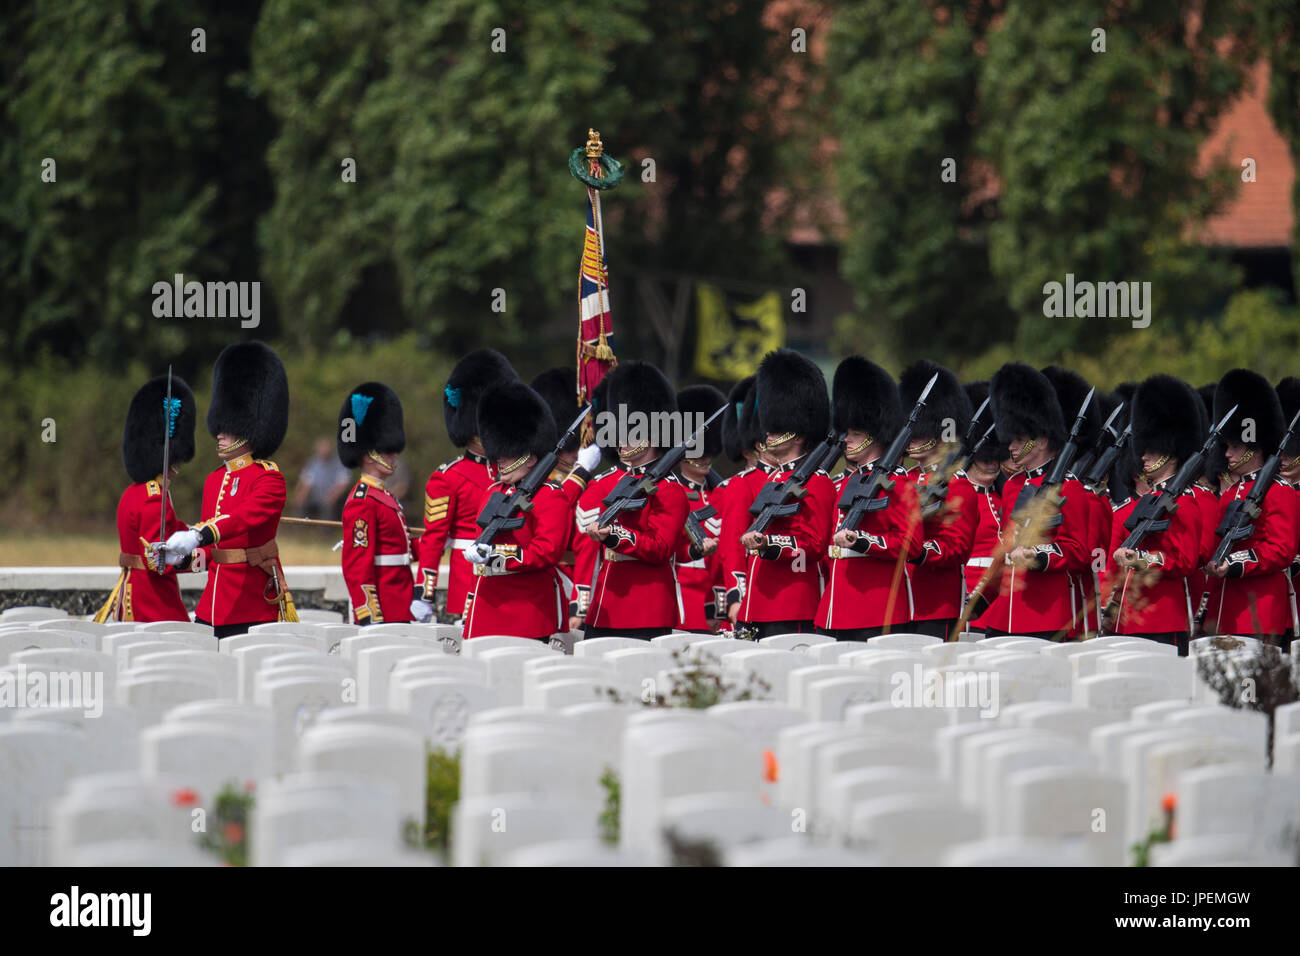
[
  {"x": 1168, "y": 802},
  {"x": 771, "y": 769},
  {"x": 233, "y": 832},
  {"x": 185, "y": 797}
]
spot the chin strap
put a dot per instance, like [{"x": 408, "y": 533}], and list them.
[
  {"x": 859, "y": 447},
  {"x": 1156, "y": 466},
  {"x": 513, "y": 466},
  {"x": 781, "y": 440}
]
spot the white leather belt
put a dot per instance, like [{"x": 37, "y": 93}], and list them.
[
  {"x": 392, "y": 560},
  {"x": 697, "y": 563},
  {"x": 460, "y": 544},
  {"x": 835, "y": 553},
  {"x": 980, "y": 563},
  {"x": 618, "y": 556}
]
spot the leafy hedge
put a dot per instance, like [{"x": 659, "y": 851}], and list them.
[{"x": 75, "y": 480}]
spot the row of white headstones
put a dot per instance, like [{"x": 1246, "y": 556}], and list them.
[{"x": 899, "y": 750}]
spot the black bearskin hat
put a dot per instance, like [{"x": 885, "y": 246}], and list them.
[
  {"x": 376, "y": 416},
  {"x": 1025, "y": 405},
  {"x": 703, "y": 401},
  {"x": 250, "y": 397},
  {"x": 1255, "y": 399},
  {"x": 638, "y": 388},
  {"x": 559, "y": 389},
  {"x": 471, "y": 377},
  {"x": 513, "y": 421},
  {"x": 1288, "y": 393},
  {"x": 995, "y": 449},
  {"x": 791, "y": 395},
  {"x": 866, "y": 399},
  {"x": 740, "y": 422},
  {"x": 947, "y": 402},
  {"x": 1071, "y": 389},
  {"x": 1207, "y": 399},
  {"x": 142, "y": 439},
  {"x": 1167, "y": 418}
]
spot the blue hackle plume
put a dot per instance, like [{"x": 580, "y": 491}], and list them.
[
  {"x": 173, "y": 409},
  {"x": 453, "y": 396},
  {"x": 360, "y": 405}
]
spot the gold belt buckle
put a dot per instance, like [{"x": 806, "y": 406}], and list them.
[{"x": 835, "y": 552}]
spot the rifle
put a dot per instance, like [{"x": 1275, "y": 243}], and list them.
[
  {"x": 1023, "y": 515},
  {"x": 1060, "y": 471},
  {"x": 864, "y": 493},
  {"x": 1106, "y": 460},
  {"x": 1087, "y": 462},
  {"x": 780, "y": 499},
  {"x": 632, "y": 491},
  {"x": 1155, "y": 510},
  {"x": 504, "y": 512},
  {"x": 933, "y": 495},
  {"x": 1239, "y": 519},
  {"x": 695, "y": 528}
]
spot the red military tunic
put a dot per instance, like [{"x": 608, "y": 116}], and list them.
[
  {"x": 453, "y": 497},
  {"x": 784, "y": 582},
  {"x": 527, "y": 597},
  {"x": 1264, "y": 559},
  {"x": 700, "y": 578},
  {"x": 1158, "y": 600},
  {"x": 1087, "y": 580},
  {"x": 242, "y": 503},
  {"x": 937, "y": 576},
  {"x": 146, "y": 595},
  {"x": 859, "y": 582},
  {"x": 1048, "y": 600},
  {"x": 988, "y": 532},
  {"x": 572, "y": 484},
  {"x": 738, "y": 493},
  {"x": 376, "y": 554},
  {"x": 629, "y": 580}
]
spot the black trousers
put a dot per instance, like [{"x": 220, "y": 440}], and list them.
[
  {"x": 229, "y": 630},
  {"x": 1045, "y": 635},
  {"x": 940, "y": 627},
  {"x": 758, "y": 630},
  {"x": 590, "y": 631},
  {"x": 851, "y": 633}
]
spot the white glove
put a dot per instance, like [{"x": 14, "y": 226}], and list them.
[
  {"x": 478, "y": 553},
  {"x": 589, "y": 457},
  {"x": 174, "y": 558},
  {"x": 181, "y": 544},
  {"x": 422, "y": 611}
]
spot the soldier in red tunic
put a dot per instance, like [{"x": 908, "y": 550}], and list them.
[
  {"x": 1071, "y": 389},
  {"x": 948, "y": 533},
  {"x": 517, "y": 589},
  {"x": 699, "y": 570},
  {"x": 741, "y": 440},
  {"x": 243, "y": 499},
  {"x": 626, "y": 582},
  {"x": 1148, "y": 592},
  {"x": 455, "y": 489},
  {"x": 986, "y": 478},
  {"x": 574, "y": 466},
  {"x": 1288, "y": 393},
  {"x": 1249, "y": 592},
  {"x": 868, "y": 584},
  {"x": 376, "y": 543},
  {"x": 147, "y": 589},
  {"x": 1040, "y": 594},
  {"x": 783, "y": 569}
]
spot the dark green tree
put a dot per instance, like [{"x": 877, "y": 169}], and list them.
[
  {"x": 904, "y": 78},
  {"x": 157, "y": 170},
  {"x": 1097, "y": 154}
]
